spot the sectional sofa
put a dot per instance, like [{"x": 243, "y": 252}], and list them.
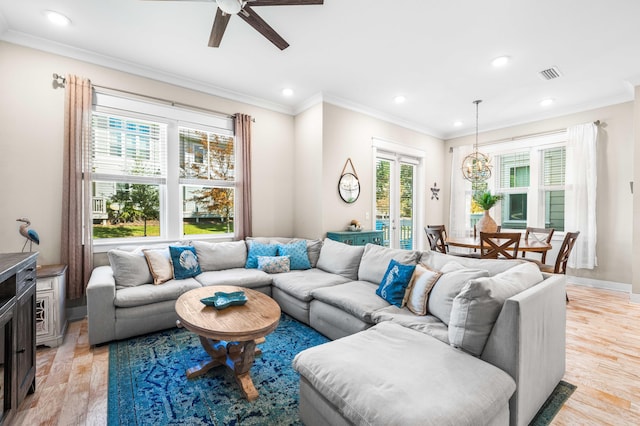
[{"x": 489, "y": 347}]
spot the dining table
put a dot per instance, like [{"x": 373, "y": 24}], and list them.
[{"x": 530, "y": 244}]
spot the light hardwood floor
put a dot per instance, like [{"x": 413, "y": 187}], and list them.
[{"x": 603, "y": 360}]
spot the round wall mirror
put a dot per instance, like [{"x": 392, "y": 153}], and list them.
[{"x": 349, "y": 187}]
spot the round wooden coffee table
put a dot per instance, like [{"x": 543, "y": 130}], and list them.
[{"x": 229, "y": 335}]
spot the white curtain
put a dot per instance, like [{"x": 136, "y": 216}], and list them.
[
  {"x": 460, "y": 205},
  {"x": 580, "y": 193}
]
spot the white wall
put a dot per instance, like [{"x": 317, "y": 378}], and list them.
[
  {"x": 615, "y": 170},
  {"x": 31, "y": 141},
  {"x": 348, "y": 134},
  {"x": 635, "y": 253},
  {"x": 308, "y": 174}
]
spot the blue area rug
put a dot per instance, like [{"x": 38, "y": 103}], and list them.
[
  {"x": 148, "y": 385},
  {"x": 553, "y": 404}
]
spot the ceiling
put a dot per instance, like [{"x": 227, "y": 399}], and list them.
[{"x": 362, "y": 53}]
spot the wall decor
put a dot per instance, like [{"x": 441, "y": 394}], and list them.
[
  {"x": 349, "y": 184},
  {"x": 434, "y": 191}
]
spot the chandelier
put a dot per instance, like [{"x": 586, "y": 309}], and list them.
[{"x": 476, "y": 167}]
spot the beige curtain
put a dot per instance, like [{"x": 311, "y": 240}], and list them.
[
  {"x": 242, "y": 224},
  {"x": 76, "y": 246}
]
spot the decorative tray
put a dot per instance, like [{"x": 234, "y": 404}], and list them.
[{"x": 221, "y": 300}]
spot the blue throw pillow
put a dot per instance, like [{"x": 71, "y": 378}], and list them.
[
  {"x": 185, "y": 262},
  {"x": 259, "y": 249},
  {"x": 395, "y": 282},
  {"x": 297, "y": 253}
]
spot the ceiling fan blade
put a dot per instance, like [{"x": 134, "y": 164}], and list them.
[
  {"x": 253, "y": 19},
  {"x": 219, "y": 25},
  {"x": 283, "y": 2}
]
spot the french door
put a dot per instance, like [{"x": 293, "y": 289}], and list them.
[{"x": 395, "y": 183}]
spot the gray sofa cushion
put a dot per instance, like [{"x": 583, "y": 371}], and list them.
[
  {"x": 453, "y": 278},
  {"x": 436, "y": 261},
  {"x": 427, "y": 324},
  {"x": 476, "y": 308},
  {"x": 219, "y": 256},
  {"x": 147, "y": 294},
  {"x": 129, "y": 268},
  {"x": 375, "y": 260},
  {"x": 356, "y": 297},
  {"x": 299, "y": 284},
  {"x": 249, "y": 278},
  {"x": 392, "y": 375},
  {"x": 339, "y": 258}
]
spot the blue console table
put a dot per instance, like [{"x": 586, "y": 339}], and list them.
[{"x": 357, "y": 238}]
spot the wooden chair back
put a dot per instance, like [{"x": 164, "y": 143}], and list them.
[
  {"x": 436, "y": 236},
  {"x": 565, "y": 251},
  {"x": 535, "y": 232},
  {"x": 499, "y": 245}
]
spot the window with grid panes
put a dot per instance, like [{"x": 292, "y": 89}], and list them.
[
  {"x": 160, "y": 171},
  {"x": 513, "y": 183},
  {"x": 532, "y": 181}
]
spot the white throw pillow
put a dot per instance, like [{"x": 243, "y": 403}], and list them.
[{"x": 417, "y": 293}]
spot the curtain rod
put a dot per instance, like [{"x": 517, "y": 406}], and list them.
[
  {"x": 59, "y": 81},
  {"x": 529, "y": 135}
]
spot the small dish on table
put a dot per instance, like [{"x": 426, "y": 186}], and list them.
[{"x": 221, "y": 300}]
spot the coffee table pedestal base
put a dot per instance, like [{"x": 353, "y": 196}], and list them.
[{"x": 237, "y": 356}]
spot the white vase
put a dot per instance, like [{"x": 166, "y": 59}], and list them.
[{"x": 486, "y": 224}]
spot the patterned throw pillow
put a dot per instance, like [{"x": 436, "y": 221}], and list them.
[
  {"x": 159, "y": 261},
  {"x": 273, "y": 264},
  {"x": 259, "y": 249},
  {"x": 185, "y": 262},
  {"x": 297, "y": 252},
  {"x": 417, "y": 294},
  {"x": 395, "y": 281}
]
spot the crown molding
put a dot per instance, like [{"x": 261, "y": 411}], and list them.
[
  {"x": 353, "y": 106},
  {"x": 308, "y": 103},
  {"x": 4, "y": 26},
  {"x": 106, "y": 61},
  {"x": 547, "y": 115}
]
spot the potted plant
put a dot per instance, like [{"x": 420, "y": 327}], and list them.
[{"x": 485, "y": 200}]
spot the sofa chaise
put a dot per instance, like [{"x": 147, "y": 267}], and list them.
[{"x": 489, "y": 347}]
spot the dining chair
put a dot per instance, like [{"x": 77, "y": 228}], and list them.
[
  {"x": 436, "y": 235},
  {"x": 499, "y": 245},
  {"x": 560, "y": 266},
  {"x": 535, "y": 233}
]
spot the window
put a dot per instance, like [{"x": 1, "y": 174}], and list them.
[
  {"x": 514, "y": 181},
  {"x": 207, "y": 172},
  {"x": 160, "y": 171},
  {"x": 530, "y": 174}
]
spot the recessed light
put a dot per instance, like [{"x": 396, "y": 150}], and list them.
[
  {"x": 287, "y": 92},
  {"x": 500, "y": 61},
  {"x": 399, "y": 99},
  {"x": 457, "y": 123},
  {"x": 57, "y": 18},
  {"x": 546, "y": 102}
]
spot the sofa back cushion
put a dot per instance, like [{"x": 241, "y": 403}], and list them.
[
  {"x": 341, "y": 259},
  {"x": 220, "y": 256},
  {"x": 477, "y": 306},
  {"x": 453, "y": 279},
  {"x": 130, "y": 268},
  {"x": 375, "y": 260},
  {"x": 436, "y": 261}
]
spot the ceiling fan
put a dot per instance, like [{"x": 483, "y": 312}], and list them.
[{"x": 244, "y": 9}]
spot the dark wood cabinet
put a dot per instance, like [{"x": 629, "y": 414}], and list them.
[{"x": 17, "y": 331}]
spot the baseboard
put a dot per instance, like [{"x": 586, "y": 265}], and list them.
[
  {"x": 605, "y": 285},
  {"x": 635, "y": 298}
]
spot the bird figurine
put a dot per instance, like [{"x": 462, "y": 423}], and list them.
[{"x": 29, "y": 234}]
